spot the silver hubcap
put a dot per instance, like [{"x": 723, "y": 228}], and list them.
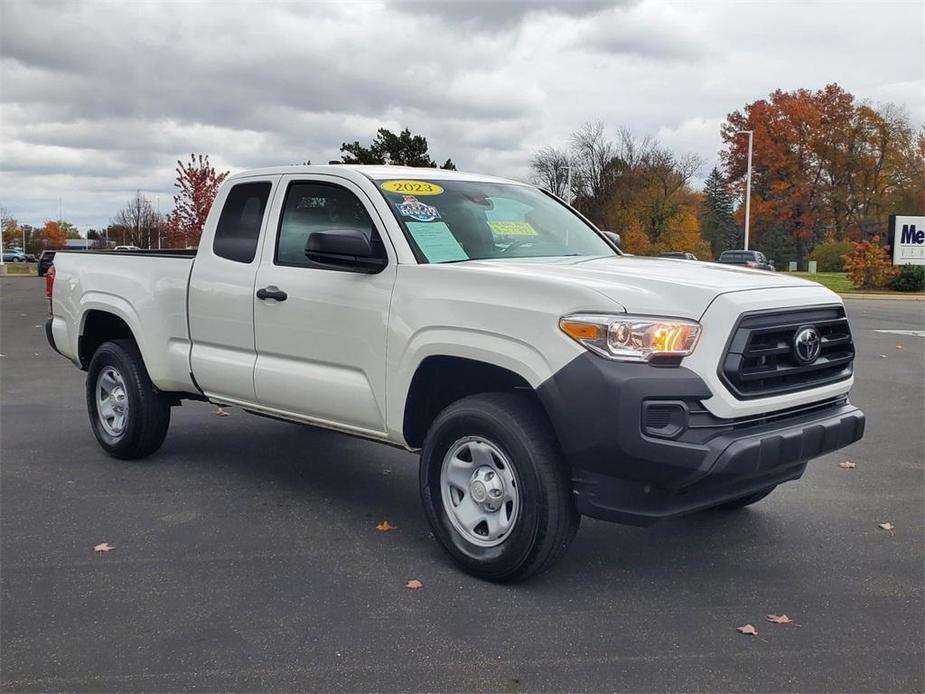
[
  {"x": 111, "y": 401},
  {"x": 479, "y": 489}
]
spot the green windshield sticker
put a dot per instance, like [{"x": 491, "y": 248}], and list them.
[
  {"x": 436, "y": 241},
  {"x": 512, "y": 228}
]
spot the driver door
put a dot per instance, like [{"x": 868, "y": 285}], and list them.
[{"x": 321, "y": 348}]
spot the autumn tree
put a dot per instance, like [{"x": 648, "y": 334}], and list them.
[
  {"x": 54, "y": 234},
  {"x": 136, "y": 224},
  {"x": 824, "y": 165},
  {"x": 629, "y": 184},
  {"x": 12, "y": 232},
  {"x": 197, "y": 183},
  {"x": 403, "y": 149}
]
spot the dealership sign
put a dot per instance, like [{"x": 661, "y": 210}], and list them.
[{"x": 907, "y": 239}]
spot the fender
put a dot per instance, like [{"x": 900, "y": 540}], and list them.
[{"x": 496, "y": 349}]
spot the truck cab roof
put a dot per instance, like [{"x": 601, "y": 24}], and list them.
[{"x": 376, "y": 172}]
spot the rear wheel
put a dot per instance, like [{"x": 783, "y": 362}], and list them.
[
  {"x": 495, "y": 487},
  {"x": 129, "y": 417},
  {"x": 744, "y": 501}
]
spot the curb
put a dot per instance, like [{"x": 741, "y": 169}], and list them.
[{"x": 884, "y": 297}]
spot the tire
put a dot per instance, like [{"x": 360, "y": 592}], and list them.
[
  {"x": 511, "y": 434},
  {"x": 744, "y": 501},
  {"x": 117, "y": 368}
]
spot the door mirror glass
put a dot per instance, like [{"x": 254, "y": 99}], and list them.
[{"x": 348, "y": 249}]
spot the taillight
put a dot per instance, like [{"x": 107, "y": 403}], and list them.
[{"x": 49, "y": 286}]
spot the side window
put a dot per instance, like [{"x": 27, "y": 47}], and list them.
[
  {"x": 312, "y": 207},
  {"x": 238, "y": 227}
]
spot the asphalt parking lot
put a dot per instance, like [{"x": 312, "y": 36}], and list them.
[{"x": 247, "y": 558}]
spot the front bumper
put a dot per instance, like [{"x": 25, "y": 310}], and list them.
[{"x": 623, "y": 472}]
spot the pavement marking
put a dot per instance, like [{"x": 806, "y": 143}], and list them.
[{"x": 910, "y": 333}]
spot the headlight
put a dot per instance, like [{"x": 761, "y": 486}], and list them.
[{"x": 632, "y": 338}]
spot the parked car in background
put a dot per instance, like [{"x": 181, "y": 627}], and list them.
[
  {"x": 13, "y": 256},
  {"x": 126, "y": 248},
  {"x": 45, "y": 261},
  {"x": 30, "y": 258},
  {"x": 682, "y": 255},
  {"x": 752, "y": 259}
]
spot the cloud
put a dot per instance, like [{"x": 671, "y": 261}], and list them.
[
  {"x": 98, "y": 99},
  {"x": 499, "y": 15}
]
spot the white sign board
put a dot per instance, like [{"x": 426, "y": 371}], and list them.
[{"x": 907, "y": 240}]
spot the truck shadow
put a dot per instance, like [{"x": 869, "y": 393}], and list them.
[{"x": 354, "y": 484}]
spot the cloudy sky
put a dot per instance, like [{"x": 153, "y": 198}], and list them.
[{"x": 100, "y": 99}]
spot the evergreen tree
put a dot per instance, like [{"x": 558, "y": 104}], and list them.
[
  {"x": 403, "y": 149},
  {"x": 718, "y": 222}
]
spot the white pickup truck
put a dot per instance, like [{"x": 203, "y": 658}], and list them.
[{"x": 541, "y": 373}]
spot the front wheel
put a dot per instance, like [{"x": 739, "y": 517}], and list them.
[
  {"x": 129, "y": 417},
  {"x": 495, "y": 487}
]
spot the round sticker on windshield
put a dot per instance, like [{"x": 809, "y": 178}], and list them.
[{"x": 412, "y": 187}]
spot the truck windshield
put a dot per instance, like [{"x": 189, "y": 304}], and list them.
[{"x": 452, "y": 221}]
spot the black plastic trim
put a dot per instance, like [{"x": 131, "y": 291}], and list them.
[
  {"x": 734, "y": 346},
  {"x": 50, "y": 336},
  {"x": 622, "y": 473}
]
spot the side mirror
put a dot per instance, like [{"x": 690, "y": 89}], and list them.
[
  {"x": 614, "y": 238},
  {"x": 347, "y": 249}
]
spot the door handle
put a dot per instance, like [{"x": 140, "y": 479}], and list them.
[{"x": 272, "y": 292}]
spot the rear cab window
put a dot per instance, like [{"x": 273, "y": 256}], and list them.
[{"x": 238, "y": 229}]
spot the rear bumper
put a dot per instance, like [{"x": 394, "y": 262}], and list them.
[
  {"x": 50, "y": 336},
  {"x": 623, "y": 471}
]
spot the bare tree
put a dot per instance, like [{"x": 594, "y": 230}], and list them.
[
  {"x": 550, "y": 170},
  {"x": 137, "y": 223},
  {"x": 593, "y": 158}
]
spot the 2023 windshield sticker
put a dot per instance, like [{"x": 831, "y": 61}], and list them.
[{"x": 407, "y": 187}]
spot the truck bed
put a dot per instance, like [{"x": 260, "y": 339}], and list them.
[{"x": 146, "y": 289}]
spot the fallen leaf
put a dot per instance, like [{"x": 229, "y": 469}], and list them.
[
  {"x": 888, "y": 526},
  {"x": 414, "y": 584},
  {"x": 899, "y": 347},
  {"x": 104, "y": 547},
  {"x": 781, "y": 619},
  {"x": 749, "y": 630},
  {"x": 220, "y": 412},
  {"x": 847, "y": 465},
  {"x": 385, "y": 526}
]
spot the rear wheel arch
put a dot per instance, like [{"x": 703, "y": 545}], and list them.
[
  {"x": 98, "y": 328},
  {"x": 441, "y": 380}
]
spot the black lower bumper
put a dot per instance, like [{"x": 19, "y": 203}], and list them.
[
  {"x": 50, "y": 336},
  {"x": 624, "y": 472}
]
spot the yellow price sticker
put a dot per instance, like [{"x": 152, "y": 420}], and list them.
[
  {"x": 412, "y": 187},
  {"x": 513, "y": 228}
]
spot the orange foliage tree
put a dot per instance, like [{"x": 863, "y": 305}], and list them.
[
  {"x": 868, "y": 265},
  {"x": 53, "y": 234},
  {"x": 823, "y": 164},
  {"x": 197, "y": 183}
]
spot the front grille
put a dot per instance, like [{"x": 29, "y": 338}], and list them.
[{"x": 760, "y": 360}]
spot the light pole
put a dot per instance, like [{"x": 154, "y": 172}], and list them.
[
  {"x": 748, "y": 181},
  {"x": 157, "y": 198}
]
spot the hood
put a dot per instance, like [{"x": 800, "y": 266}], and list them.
[{"x": 656, "y": 286}]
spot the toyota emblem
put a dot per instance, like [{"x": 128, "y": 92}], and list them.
[{"x": 806, "y": 345}]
